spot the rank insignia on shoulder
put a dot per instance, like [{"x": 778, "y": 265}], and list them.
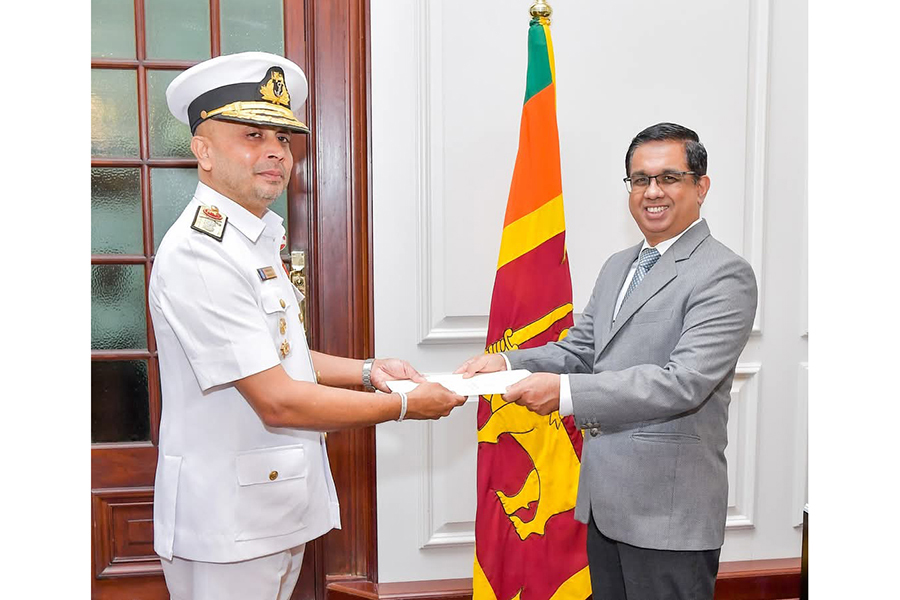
[
  {"x": 210, "y": 221},
  {"x": 266, "y": 273}
]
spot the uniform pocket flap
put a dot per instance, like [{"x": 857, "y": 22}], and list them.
[
  {"x": 271, "y": 465},
  {"x": 652, "y": 316},
  {"x": 273, "y": 303}
]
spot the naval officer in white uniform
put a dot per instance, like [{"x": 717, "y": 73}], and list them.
[{"x": 243, "y": 480}]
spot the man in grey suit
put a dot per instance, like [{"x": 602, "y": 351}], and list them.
[{"x": 647, "y": 371}]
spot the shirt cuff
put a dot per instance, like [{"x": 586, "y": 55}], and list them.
[
  {"x": 565, "y": 397},
  {"x": 508, "y": 367}
]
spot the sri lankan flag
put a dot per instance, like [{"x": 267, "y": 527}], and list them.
[{"x": 528, "y": 545}]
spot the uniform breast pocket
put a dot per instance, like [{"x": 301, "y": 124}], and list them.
[
  {"x": 276, "y": 305},
  {"x": 653, "y": 316},
  {"x": 272, "y": 494}
]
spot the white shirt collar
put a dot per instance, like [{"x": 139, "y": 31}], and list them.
[
  {"x": 238, "y": 216},
  {"x": 666, "y": 244}
]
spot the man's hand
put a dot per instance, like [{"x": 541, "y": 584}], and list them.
[
  {"x": 483, "y": 363},
  {"x": 390, "y": 369},
  {"x": 539, "y": 392},
  {"x": 431, "y": 401}
]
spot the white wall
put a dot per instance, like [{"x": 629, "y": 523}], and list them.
[{"x": 447, "y": 93}]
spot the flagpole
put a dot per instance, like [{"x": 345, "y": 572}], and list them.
[{"x": 541, "y": 9}]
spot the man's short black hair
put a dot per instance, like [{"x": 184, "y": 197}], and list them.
[{"x": 693, "y": 149}]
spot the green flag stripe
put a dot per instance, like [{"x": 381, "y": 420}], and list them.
[{"x": 539, "y": 74}]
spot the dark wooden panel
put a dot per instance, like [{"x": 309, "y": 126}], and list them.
[
  {"x": 747, "y": 580},
  {"x": 330, "y": 181},
  {"x": 123, "y": 465},
  {"x": 123, "y": 533},
  {"x": 135, "y": 588},
  {"x": 442, "y": 589},
  {"x": 759, "y": 580}
]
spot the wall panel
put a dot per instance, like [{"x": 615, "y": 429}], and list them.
[{"x": 447, "y": 92}]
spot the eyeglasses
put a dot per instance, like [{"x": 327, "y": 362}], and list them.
[{"x": 642, "y": 182}]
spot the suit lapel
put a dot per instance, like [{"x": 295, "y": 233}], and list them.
[
  {"x": 656, "y": 279},
  {"x": 609, "y": 294},
  {"x": 664, "y": 271}
]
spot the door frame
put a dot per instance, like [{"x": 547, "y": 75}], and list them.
[
  {"x": 329, "y": 204},
  {"x": 334, "y": 189}
]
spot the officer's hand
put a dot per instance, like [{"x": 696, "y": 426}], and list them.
[
  {"x": 392, "y": 369},
  {"x": 539, "y": 392},
  {"x": 431, "y": 401},
  {"x": 483, "y": 363}
]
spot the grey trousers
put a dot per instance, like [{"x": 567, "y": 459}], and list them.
[{"x": 620, "y": 571}]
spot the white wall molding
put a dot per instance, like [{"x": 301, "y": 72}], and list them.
[
  {"x": 433, "y": 329},
  {"x": 756, "y": 144},
  {"x": 435, "y": 531},
  {"x": 436, "y": 327},
  {"x": 741, "y": 451},
  {"x": 801, "y": 448}
]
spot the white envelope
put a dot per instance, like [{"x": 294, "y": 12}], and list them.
[{"x": 483, "y": 384}]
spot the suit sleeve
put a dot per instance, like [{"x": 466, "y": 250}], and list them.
[
  {"x": 573, "y": 354},
  {"x": 717, "y": 324}
]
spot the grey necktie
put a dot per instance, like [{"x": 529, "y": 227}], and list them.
[{"x": 648, "y": 258}]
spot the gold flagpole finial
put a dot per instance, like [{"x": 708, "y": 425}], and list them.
[{"x": 541, "y": 9}]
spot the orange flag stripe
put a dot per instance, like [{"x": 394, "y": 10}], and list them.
[
  {"x": 532, "y": 230},
  {"x": 536, "y": 177}
]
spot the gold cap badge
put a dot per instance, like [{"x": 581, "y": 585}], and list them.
[{"x": 274, "y": 90}]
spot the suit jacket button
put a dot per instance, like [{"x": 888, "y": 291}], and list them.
[{"x": 595, "y": 432}]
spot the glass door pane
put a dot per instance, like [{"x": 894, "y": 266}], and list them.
[
  {"x": 169, "y": 137},
  {"x": 112, "y": 29},
  {"x": 257, "y": 26},
  {"x": 177, "y": 29},
  {"x": 114, "y": 113},
  {"x": 171, "y": 190},
  {"x": 118, "y": 320},
  {"x": 116, "y": 219},
  {"x": 120, "y": 410}
]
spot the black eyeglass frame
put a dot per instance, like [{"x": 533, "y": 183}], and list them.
[{"x": 629, "y": 187}]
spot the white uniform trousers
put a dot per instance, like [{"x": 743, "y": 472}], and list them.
[{"x": 270, "y": 577}]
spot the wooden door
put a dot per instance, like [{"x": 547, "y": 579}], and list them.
[{"x": 142, "y": 175}]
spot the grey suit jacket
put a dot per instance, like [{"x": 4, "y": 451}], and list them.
[{"x": 653, "y": 388}]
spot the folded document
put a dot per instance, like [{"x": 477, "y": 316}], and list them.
[{"x": 483, "y": 384}]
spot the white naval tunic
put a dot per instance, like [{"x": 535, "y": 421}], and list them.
[{"x": 228, "y": 487}]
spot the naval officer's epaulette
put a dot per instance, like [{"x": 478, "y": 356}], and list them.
[{"x": 210, "y": 221}]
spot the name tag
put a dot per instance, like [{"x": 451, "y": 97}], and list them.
[{"x": 266, "y": 273}]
